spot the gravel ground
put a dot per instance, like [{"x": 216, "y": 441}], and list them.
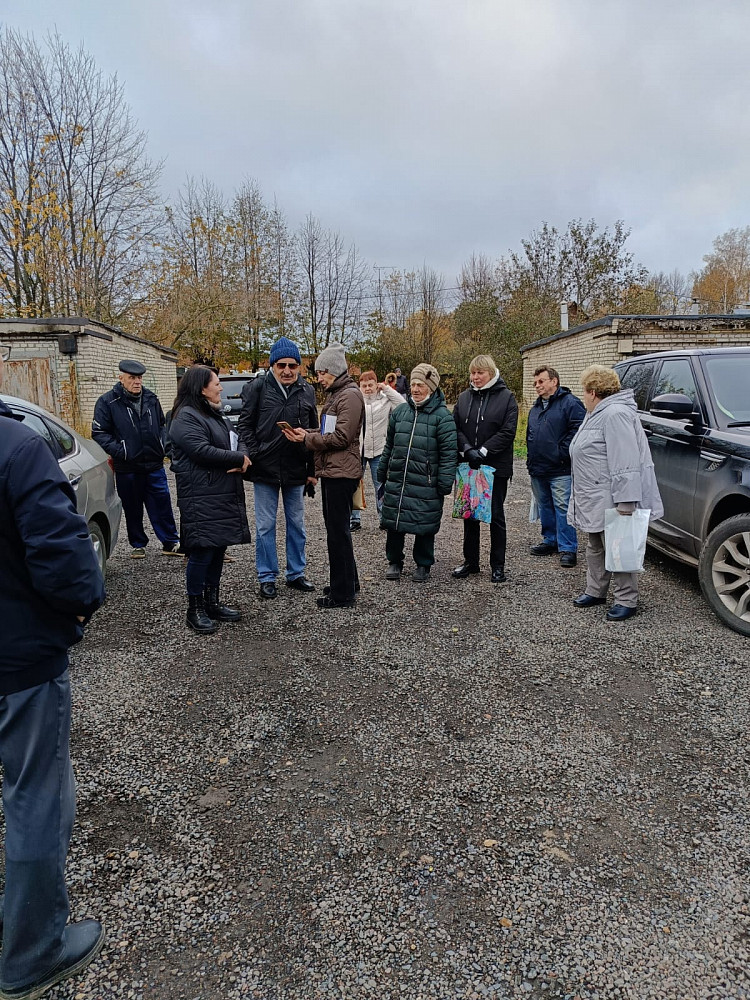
[{"x": 455, "y": 790}]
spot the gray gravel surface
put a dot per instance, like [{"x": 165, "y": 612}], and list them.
[{"x": 454, "y": 790}]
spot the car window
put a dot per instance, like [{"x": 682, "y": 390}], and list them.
[
  {"x": 638, "y": 378},
  {"x": 676, "y": 375},
  {"x": 233, "y": 389},
  {"x": 40, "y": 426},
  {"x": 64, "y": 438},
  {"x": 729, "y": 378}
]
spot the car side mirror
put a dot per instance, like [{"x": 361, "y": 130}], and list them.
[{"x": 677, "y": 406}]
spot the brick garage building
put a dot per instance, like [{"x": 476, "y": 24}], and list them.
[
  {"x": 65, "y": 364},
  {"x": 613, "y": 338}
]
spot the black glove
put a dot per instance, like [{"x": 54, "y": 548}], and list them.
[
  {"x": 473, "y": 457},
  {"x": 309, "y": 490}
]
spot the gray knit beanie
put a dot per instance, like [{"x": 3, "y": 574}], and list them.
[
  {"x": 426, "y": 373},
  {"x": 332, "y": 359}
]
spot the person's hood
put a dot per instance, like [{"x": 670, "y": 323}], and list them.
[
  {"x": 494, "y": 385},
  {"x": 433, "y": 401},
  {"x": 5, "y": 411},
  {"x": 341, "y": 382},
  {"x": 624, "y": 397},
  {"x": 561, "y": 390}
]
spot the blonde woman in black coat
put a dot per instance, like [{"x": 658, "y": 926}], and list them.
[{"x": 210, "y": 494}]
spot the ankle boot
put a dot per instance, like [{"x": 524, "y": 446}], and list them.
[
  {"x": 197, "y": 618},
  {"x": 219, "y": 612}
]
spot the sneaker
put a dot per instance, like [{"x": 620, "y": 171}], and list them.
[
  {"x": 355, "y": 525},
  {"x": 137, "y": 553},
  {"x": 172, "y": 550}
]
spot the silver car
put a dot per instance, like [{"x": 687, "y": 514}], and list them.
[{"x": 88, "y": 469}]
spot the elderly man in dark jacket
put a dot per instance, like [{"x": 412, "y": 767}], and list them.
[
  {"x": 50, "y": 585},
  {"x": 279, "y": 466},
  {"x": 486, "y": 416},
  {"x": 129, "y": 425},
  {"x": 553, "y": 421}
]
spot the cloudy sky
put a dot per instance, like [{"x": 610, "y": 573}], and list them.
[{"x": 425, "y": 130}]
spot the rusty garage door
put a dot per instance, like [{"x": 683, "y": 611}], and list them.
[{"x": 30, "y": 380}]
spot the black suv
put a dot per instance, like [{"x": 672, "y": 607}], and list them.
[
  {"x": 695, "y": 409},
  {"x": 231, "y": 393}
]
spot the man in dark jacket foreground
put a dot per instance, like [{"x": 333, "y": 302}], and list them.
[
  {"x": 129, "y": 425},
  {"x": 486, "y": 416},
  {"x": 279, "y": 465},
  {"x": 553, "y": 421},
  {"x": 50, "y": 585}
]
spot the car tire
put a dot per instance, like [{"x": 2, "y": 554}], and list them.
[
  {"x": 100, "y": 546},
  {"x": 724, "y": 572}
]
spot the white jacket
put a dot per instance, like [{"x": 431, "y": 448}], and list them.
[
  {"x": 611, "y": 464},
  {"x": 377, "y": 412}
]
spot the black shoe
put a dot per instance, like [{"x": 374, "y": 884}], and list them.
[
  {"x": 175, "y": 549},
  {"x": 421, "y": 574},
  {"x": 543, "y": 549},
  {"x": 218, "y": 611},
  {"x": 393, "y": 572},
  {"x": 197, "y": 618},
  {"x": 498, "y": 576},
  {"x": 464, "y": 570},
  {"x": 300, "y": 583},
  {"x": 355, "y": 525},
  {"x": 268, "y": 591},
  {"x": 568, "y": 559},
  {"x": 587, "y": 601},
  {"x": 618, "y": 613},
  {"x": 330, "y": 602},
  {"x": 82, "y": 942}
]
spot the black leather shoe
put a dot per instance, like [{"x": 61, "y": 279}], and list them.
[
  {"x": 568, "y": 559},
  {"x": 197, "y": 618},
  {"x": 618, "y": 613},
  {"x": 268, "y": 591},
  {"x": 327, "y": 590},
  {"x": 464, "y": 570},
  {"x": 421, "y": 574},
  {"x": 543, "y": 549},
  {"x": 82, "y": 942},
  {"x": 498, "y": 576},
  {"x": 393, "y": 572},
  {"x": 330, "y": 602},
  {"x": 300, "y": 583},
  {"x": 218, "y": 611},
  {"x": 587, "y": 601}
]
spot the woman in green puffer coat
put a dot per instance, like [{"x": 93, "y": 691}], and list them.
[{"x": 418, "y": 466}]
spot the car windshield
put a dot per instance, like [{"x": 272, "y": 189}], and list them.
[
  {"x": 232, "y": 389},
  {"x": 729, "y": 378}
]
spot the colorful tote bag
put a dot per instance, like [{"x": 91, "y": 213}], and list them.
[{"x": 472, "y": 493}]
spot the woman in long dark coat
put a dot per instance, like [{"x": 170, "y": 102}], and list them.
[{"x": 210, "y": 494}]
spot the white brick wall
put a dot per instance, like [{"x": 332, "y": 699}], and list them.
[{"x": 79, "y": 379}]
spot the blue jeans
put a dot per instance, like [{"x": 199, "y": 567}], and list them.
[
  {"x": 266, "y": 505},
  {"x": 376, "y": 486},
  {"x": 151, "y": 489},
  {"x": 552, "y": 494},
  {"x": 39, "y": 808}
]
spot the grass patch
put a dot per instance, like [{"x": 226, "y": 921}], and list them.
[{"x": 519, "y": 445}]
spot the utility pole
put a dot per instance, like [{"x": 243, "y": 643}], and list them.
[{"x": 377, "y": 268}]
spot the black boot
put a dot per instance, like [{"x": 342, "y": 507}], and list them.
[
  {"x": 219, "y": 612},
  {"x": 197, "y": 618}
]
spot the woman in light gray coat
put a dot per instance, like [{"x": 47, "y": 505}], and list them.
[{"x": 611, "y": 466}]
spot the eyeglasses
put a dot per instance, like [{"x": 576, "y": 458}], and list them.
[
  {"x": 4, "y": 352},
  {"x": 291, "y": 365}
]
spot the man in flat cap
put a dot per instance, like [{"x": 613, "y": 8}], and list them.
[{"x": 129, "y": 425}]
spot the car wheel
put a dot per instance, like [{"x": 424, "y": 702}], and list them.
[
  {"x": 724, "y": 572},
  {"x": 100, "y": 546}
]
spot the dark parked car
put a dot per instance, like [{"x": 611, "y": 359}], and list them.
[
  {"x": 88, "y": 469},
  {"x": 231, "y": 393},
  {"x": 695, "y": 409}
]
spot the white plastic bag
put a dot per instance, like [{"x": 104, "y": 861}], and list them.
[
  {"x": 625, "y": 540},
  {"x": 533, "y": 510}
]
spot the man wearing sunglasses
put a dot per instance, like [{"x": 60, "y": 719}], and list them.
[{"x": 279, "y": 466}]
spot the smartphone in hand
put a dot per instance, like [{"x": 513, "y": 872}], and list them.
[{"x": 284, "y": 425}]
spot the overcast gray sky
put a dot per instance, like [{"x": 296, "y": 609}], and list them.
[{"x": 425, "y": 130}]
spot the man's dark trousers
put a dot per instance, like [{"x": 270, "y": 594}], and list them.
[
  {"x": 39, "y": 807},
  {"x": 337, "y": 495},
  {"x": 498, "y": 531},
  {"x": 151, "y": 489}
]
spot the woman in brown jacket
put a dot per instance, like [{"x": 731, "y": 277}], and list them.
[{"x": 338, "y": 466}]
